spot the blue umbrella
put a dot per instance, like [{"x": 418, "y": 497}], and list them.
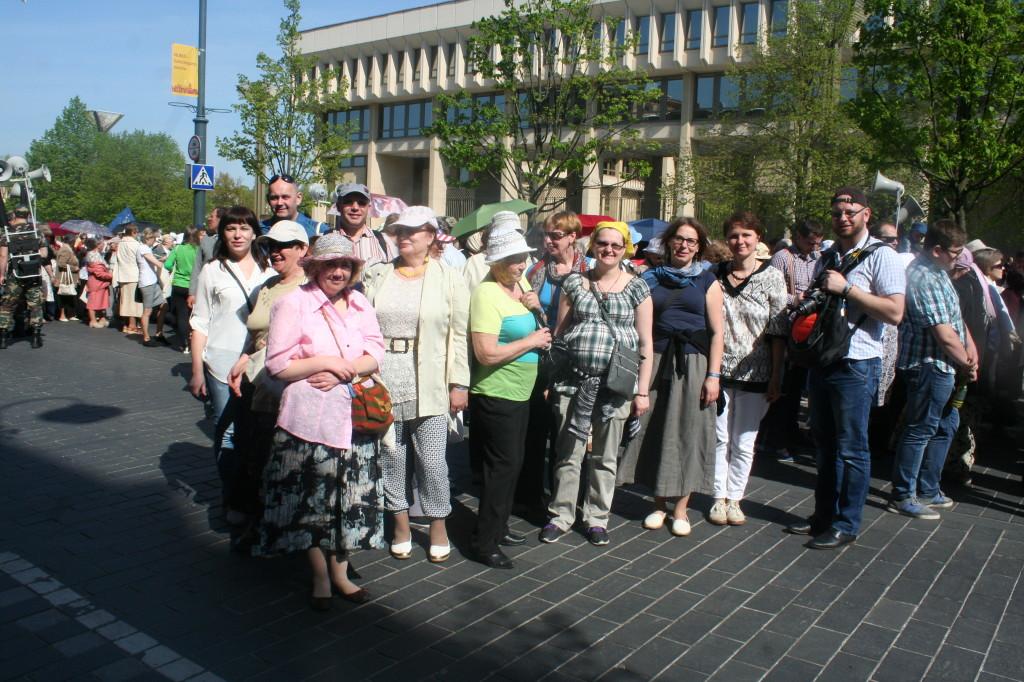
[
  {"x": 648, "y": 227},
  {"x": 123, "y": 218}
]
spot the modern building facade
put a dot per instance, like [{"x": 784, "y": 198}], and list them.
[{"x": 397, "y": 63}]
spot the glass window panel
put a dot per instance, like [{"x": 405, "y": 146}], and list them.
[
  {"x": 433, "y": 61},
  {"x": 704, "y": 102},
  {"x": 748, "y": 31},
  {"x": 398, "y": 120},
  {"x": 729, "y": 94},
  {"x": 672, "y": 90},
  {"x": 385, "y": 122},
  {"x": 693, "y": 29},
  {"x": 643, "y": 35},
  {"x": 720, "y": 27},
  {"x": 414, "y": 110},
  {"x": 620, "y": 33},
  {"x": 668, "y": 32},
  {"x": 848, "y": 83},
  {"x": 428, "y": 113},
  {"x": 451, "y": 60},
  {"x": 779, "y": 17}
]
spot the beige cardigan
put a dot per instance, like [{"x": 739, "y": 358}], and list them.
[{"x": 441, "y": 358}]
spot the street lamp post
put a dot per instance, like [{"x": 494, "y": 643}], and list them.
[{"x": 199, "y": 196}]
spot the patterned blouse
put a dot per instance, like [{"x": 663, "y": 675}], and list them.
[
  {"x": 754, "y": 311},
  {"x": 590, "y": 339}
]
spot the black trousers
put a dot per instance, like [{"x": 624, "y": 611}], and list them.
[
  {"x": 779, "y": 427},
  {"x": 498, "y": 441},
  {"x": 181, "y": 312}
]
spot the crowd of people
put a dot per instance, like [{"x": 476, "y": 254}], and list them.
[{"x": 340, "y": 362}]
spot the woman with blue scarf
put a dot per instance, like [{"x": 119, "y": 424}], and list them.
[{"x": 676, "y": 455}]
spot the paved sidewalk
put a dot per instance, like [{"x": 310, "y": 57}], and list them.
[{"x": 115, "y": 565}]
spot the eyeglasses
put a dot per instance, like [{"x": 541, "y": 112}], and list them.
[
  {"x": 283, "y": 176},
  {"x": 272, "y": 246},
  {"x": 849, "y": 213},
  {"x": 408, "y": 232},
  {"x": 997, "y": 265},
  {"x": 601, "y": 244},
  {"x": 555, "y": 235},
  {"x": 889, "y": 240},
  {"x": 679, "y": 241},
  {"x": 354, "y": 199}
]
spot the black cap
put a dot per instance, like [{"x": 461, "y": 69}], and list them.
[{"x": 850, "y": 195}]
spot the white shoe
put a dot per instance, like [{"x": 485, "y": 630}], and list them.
[
  {"x": 717, "y": 515},
  {"x": 680, "y": 527},
  {"x": 733, "y": 514},
  {"x": 655, "y": 520},
  {"x": 402, "y": 550},
  {"x": 439, "y": 553}
]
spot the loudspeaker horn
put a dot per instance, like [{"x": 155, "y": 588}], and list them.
[
  {"x": 18, "y": 164},
  {"x": 41, "y": 172},
  {"x": 884, "y": 184},
  {"x": 318, "y": 192},
  {"x": 909, "y": 210},
  {"x": 5, "y": 171}
]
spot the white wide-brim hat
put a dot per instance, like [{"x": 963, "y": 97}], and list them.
[{"x": 503, "y": 241}]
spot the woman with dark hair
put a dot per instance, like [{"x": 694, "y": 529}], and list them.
[
  {"x": 225, "y": 296},
  {"x": 67, "y": 273},
  {"x": 322, "y": 485},
  {"x": 180, "y": 263},
  {"x": 676, "y": 454},
  {"x": 153, "y": 302},
  {"x": 98, "y": 284},
  {"x": 755, "y": 324}
]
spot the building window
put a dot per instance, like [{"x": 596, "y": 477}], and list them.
[
  {"x": 716, "y": 94},
  {"x": 414, "y": 61},
  {"x": 433, "y": 62},
  {"x": 643, "y": 32},
  {"x": 406, "y": 119},
  {"x": 693, "y": 29},
  {"x": 358, "y": 118},
  {"x": 620, "y": 33},
  {"x": 357, "y": 161},
  {"x": 748, "y": 27},
  {"x": 353, "y": 72},
  {"x": 780, "y": 18},
  {"x": 451, "y": 60},
  {"x": 669, "y": 106},
  {"x": 848, "y": 82},
  {"x": 720, "y": 27},
  {"x": 470, "y": 67},
  {"x": 385, "y": 61},
  {"x": 598, "y": 32},
  {"x": 668, "y": 32}
]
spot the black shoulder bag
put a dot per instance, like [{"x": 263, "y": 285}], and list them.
[{"x": 624, "y": 366}]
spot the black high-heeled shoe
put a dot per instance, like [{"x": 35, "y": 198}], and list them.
[{"x": 352, "y": 573}]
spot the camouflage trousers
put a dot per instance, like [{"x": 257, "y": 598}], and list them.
[
  {"x": 13, "y": 291},
  {"x": 960, "y": 458}
]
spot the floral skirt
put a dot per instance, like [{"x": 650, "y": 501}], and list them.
[{"x": 318, "y": 496}]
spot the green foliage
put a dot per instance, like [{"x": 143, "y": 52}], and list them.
[
  {"x": 96, "y": 175},
  {"x": 789, "y": 142},
  {"x": 68, "y": 149},
  {"x": 284, "y": 114},
  {"x": 229, "y": 191},
  {"x": 942, "y": 91},
  {"x": 564, "y": 101}
]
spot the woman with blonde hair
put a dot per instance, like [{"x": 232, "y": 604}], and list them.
[{"x": 423, "y": 310}]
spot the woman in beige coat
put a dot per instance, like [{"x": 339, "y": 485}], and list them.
[
  {"x": 423, "y": 310},
  {"x": 128, "y": 280}
]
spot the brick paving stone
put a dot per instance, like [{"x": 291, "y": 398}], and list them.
[
  {"x": 899, "y": 665},
  {"x": 953, "y": 663}
]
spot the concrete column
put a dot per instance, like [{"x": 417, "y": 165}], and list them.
[
  {"x": 373, "y": 176},
  {"x": 437, "y": 186},
  {"x": 591, "y": 195}
]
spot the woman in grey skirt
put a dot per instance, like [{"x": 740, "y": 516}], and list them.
[{"x": 676, "y": 454}]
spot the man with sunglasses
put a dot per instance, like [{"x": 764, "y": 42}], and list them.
[
  {"x": 353, "y": 204},
  {"x": 284, "y": 197},
  {"x": 842, "y": 393}
]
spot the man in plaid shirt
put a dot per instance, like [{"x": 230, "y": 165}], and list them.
[{"x": 935, "y": 349}]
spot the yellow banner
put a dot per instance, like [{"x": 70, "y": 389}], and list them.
[{"x": 184, "y": 70}]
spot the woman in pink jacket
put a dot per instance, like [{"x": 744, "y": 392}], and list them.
[{"x": 98, "y": 285}]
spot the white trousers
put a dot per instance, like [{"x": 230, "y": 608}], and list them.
[{"x": 735, "y": 431}]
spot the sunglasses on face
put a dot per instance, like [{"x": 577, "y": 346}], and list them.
[
  {"x": 408, "y": 232},
  {"x": 889, "y": 240},
  {"x": 555, "y": 235},
  {"x": 354, "y": 199},
  {"x": 280, "y": 246},
  {"x": 602, "y": 244},
  {"x": 849, "y": 213}
]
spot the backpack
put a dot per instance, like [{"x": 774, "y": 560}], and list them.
[{"x": 822, "y": 336}]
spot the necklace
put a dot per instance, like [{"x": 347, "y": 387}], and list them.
[{"x": 605, "y": 294}]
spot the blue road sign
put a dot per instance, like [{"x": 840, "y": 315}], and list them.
[{"x": 200, "y": 176}]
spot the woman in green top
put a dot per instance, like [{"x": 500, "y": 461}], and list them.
[{"x": 179, "y": 262}]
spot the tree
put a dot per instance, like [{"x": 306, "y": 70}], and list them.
[
  {"x": 68, "y": 149},
  {"x": 229, "y": 191},
  {"x": 561, "y": 100},
  {"x": 141, "y": 170},
  {"x": 780, "y": 139},
  {"x": 285, "y": 126},
  {"x": 942, "y": 91}
]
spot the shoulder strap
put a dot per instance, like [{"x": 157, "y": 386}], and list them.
[
  {"x": 380, "y": 240},
  {"x": 604, "y": 313},
  {"x": 857, "y": 257},
  {"x": 248, "y": 303}
]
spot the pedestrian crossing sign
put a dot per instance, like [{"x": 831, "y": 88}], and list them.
[{"x": 200, "y": 176}]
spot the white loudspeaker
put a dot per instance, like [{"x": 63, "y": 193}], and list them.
[
  {"x": 318, "y": 192},
  {"x": 16, "y": 191},
  {"x": 41, "y": 172},
  {"x": 18, "y": 165},
  {"x": 5, "y": 171},
  {"x": 884, "y": 184},
  {"x": 909, "y": 210}
]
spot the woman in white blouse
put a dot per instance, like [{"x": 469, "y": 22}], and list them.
[{"x": 224, "y": 299}]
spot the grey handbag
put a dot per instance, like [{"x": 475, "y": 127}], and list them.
[{"x": 624, "y": 365}]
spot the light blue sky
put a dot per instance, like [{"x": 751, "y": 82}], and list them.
[{"x": 116, "y": 56}]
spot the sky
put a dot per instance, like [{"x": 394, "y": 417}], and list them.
[{"x": 116, "y": 56}]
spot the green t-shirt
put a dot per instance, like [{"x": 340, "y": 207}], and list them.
[
  {"x": 491, "y": 311},
  {"x": 181, "y": 260}
]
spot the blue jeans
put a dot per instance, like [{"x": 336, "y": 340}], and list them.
[
  {"x": 841, "y": 396},
  {"x": 927, "y": 432},
  {"x": 224, "y": 403}
]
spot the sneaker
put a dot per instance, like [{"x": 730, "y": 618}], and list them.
[
  {"x": 718, "y": 514},
  {"x": 680, "y": 527},
  {"x": 783, "y": 455},
  {"x": 733, "y": 514},
  {"x": 913, "y": 508},
  {"x": 597, "y": 536},
  {"x": 151, "y": 343},
  {"x": 551, "y": 533},
  {"x": 940, "y": 501}
]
